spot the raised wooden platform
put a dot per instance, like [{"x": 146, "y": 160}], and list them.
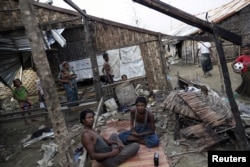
[{"x": 42, "y": 112}]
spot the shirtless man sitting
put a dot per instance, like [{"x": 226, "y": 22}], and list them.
[
  {"x": 142, "y": 126},
  {"x": 109, "y": 152}
]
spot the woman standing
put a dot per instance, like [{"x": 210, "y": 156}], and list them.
[{"x": 71, "y": 89}]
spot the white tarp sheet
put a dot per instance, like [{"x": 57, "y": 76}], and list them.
[{"x": 123, "y": 61}]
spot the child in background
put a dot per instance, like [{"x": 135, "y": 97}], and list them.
[
  {"x": 20, "y": 93},
  {"x": 244, "y": 88},
  {"x": 124, "y": 77},
  {"x": 40, "y": 93}
]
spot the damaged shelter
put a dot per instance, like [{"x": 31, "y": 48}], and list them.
[
  {"x": 80, "y": 47},
  {"x": 201, "y": 114},
  {"x": 81, "y": 40},
  {"x": 232, "y": 16}
]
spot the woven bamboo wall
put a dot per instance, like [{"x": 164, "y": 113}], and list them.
[
  {"x": 49, "y": 17},
  {"x": 75, "y": 45},
  {"x": 103, "y": 35},
  {"x": 110, "y": 37},
  {"x": 29, "y": 78},
  {"x": 153, "y": 66}
]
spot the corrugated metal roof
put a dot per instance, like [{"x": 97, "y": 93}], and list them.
[
  {"x": 14, "y": 43},
  {"x": 216, "y": 15}
]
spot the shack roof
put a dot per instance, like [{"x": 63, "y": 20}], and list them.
[{"x": 216, "y": 15}]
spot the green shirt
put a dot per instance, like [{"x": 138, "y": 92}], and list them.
[{"x": 20, "y": 93}]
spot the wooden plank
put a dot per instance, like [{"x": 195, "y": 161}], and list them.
[
  {"x": 14, "y": 119},
  {"x": 99, "y": 109},
  {"x": 23, "y": 112},
  {"x": 11, "y": 117},
  {"x": 86, "y": 104},
  {"x": 185, "y": 38}
]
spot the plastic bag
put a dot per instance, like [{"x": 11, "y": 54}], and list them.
[{"x": 42, "y": 105}]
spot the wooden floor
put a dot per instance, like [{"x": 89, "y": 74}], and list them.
[{"x": 144, "y": 157}]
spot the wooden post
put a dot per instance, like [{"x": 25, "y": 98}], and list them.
[
  {"x": 163, "y": 57},
  {"x": 30, "y": 23},
  {"x": 239, "y": 130},
  {"x": 93, "y": 59},
  {"x": 90, "y": 48}
]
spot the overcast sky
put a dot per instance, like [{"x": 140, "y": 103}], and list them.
[{"x": 132, "y": 13}]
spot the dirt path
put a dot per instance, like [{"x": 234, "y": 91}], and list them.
[{"x": 194, "y": 72}]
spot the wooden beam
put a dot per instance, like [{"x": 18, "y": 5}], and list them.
[
  {"x": 192, "y": 38},
  {"x": 38, "y": 112},
  {"x": 239, "y": 130},
  {"x": 99, "y": 109},
  {"x": 189, "y": 19},
  {"x": 47, "y": 82},
  {"x": 54, "y": 8}
]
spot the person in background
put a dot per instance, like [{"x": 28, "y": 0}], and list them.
[
  {"x": 107, "y": 70},
  {"x": 20, "y": 93},
  {"x": 68, "y": 76},
  {"x": 206, "y": 63},
  {"x": 109, "y": 152},
  {"x": 124, "y": 77},
  {"x": 142, "y": 126},
  {"x": 71, "y": 91},
  {"x": 40, "y": 93},
  {"x": 244, "y": 88}
]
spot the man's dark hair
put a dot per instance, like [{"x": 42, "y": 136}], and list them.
[
  {"x": 141, "y": 99},
  {"x": 105, "y": 55},
  {"x": 246, "y": 45},
  {"x": 124, "y": 75},
  {"x": 84, "y": 113},
  {"x": 17, "y": 79}
]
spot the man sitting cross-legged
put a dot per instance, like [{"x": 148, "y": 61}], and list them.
[
  {"x": 142, "y": 126},
  {"x": 109, "y": 152}
]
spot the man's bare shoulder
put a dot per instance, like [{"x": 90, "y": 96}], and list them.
[
  {"x": 133, "y": 109},
  {"x": 87, "y": 133},
  {"x": 150, "y": 114}
]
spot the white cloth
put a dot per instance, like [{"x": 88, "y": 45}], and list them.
[
  {"x": 204, "y": 47},
  {"x": 38, "y": 86}
]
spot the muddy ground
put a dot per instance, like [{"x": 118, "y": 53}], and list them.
[{"x": 13, "y": 134}]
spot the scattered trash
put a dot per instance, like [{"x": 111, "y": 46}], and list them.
[
  {"x": 77, "y": 154},
  {"x": 44, "y": 135},
  {"x": 40, "y": 132},
  {"x": 111, "y": 104},
  {"x": 50, "y": 151}
]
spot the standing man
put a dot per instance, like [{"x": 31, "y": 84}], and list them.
[
  {"x": 107, "y": 70},
  {"x": 206, "y": 63},
  {"x": 109, "y": 152},
  {"x": 142, "y": 126}
]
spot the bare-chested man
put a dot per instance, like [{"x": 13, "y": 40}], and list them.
[
  {"x": 109, "y": 152},
  {"x": 142, "y": 128}
]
